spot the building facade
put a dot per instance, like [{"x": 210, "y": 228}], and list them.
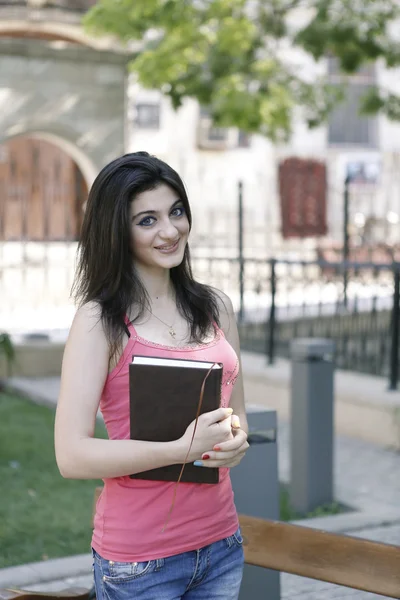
[{"x": 212, "y": 161}]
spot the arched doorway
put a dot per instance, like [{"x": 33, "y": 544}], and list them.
[
  {"x": 63, "y": 118},
  {"x": 43, "y": 191}
]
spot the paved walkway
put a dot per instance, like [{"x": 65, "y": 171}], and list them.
[{"x": 367, "y": 478}]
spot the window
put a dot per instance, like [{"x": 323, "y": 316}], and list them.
[
  {"x": 212, "y": 137},
  {"x": 244, "y": 139},
  {"x": 345, "y": 125},
  {"x": 217, "y": 134},
  {"x": 147, "y": 116},
  {"x": 209, "y": 136}
]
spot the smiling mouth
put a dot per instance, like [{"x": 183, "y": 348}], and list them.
[{"x": 168, "y": 247}]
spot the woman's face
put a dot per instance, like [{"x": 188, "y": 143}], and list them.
[{"x": 159, "y": 228}]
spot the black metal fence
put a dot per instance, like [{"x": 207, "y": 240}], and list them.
[{"x": 355, "y": 304}]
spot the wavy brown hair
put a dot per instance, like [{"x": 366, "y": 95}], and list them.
[{"x": 105, "y": 267}]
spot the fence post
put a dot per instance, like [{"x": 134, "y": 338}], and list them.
[
  {"x": 311, "y": 480},
  {"x": 394, "y": 353},
  {"x": 346, "y": 250},
  {"x": 240, "y": 248},
  {"x": 272, "y": 323}
]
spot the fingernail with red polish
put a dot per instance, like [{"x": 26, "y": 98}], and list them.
[
  {"x": 205, "y": 456},
  {"x": 217, "y": 448}
]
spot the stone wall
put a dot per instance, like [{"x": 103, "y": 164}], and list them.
[{"x": 73, "y": 93}]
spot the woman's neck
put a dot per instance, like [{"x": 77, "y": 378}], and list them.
[{"x": 158, "y": 284}]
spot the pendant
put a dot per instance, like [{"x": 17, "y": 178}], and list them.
[{"x": 172, "y": 332}]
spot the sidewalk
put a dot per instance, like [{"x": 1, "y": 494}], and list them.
[
  {"x": 364, "y": 407},
  {"x": 367, "y": 476}
]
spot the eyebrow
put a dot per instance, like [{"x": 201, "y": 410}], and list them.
[{"x": 153, "y": 212}]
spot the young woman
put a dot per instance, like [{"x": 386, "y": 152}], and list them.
[{"x": 137, "y": 295}]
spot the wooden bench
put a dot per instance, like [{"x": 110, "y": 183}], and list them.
[
  {"x": 340, "y": 559},
  {"x": 68, "y": 594}
]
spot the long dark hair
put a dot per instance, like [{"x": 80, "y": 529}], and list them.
[{"x": 105, "y": 270}]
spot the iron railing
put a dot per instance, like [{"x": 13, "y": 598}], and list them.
[{"x": 355, "y": 304}]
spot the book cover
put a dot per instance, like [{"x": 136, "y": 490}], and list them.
[{"x": 164, "y": 398}]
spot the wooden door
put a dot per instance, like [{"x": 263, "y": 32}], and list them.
[{"x": 42, "y": 192}]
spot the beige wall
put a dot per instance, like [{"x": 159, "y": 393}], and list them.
[{"x": 37, "y": 359}]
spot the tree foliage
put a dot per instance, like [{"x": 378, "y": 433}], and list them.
[{"x": 240, "y": 58}]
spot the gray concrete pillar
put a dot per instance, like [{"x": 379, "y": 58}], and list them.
[
  {"x": 312, "y": 418},
  {"x": 256, "y": 488}
]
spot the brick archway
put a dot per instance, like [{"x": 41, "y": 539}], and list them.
[
  {"x": 72, "y": 93},
  {"x": 70, "y": 33},
  {"x": 49, "y": 20}
]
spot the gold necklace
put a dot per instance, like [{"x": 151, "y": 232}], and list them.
[{"x": 171, "y": 330}]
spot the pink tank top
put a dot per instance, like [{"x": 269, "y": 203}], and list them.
[{"x": 130, "y": 513}]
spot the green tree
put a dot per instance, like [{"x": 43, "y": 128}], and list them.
[{"x": 238, "y": 57}]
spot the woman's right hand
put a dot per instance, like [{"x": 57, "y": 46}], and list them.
[{"x": 212, "y": 428}]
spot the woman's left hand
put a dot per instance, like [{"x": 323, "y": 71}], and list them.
[{"x": 230, "y": 453}]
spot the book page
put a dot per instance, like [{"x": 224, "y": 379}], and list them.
[{"x": 171, "y": 362}]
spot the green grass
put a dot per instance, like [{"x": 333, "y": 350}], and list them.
[
  {"x": 42, "y": 515},
  {"x": 287, "y": 513}
]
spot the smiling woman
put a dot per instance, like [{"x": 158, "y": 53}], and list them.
[
  {"x": 137, "y": 296},
  {"x": 160, "y": 229}
]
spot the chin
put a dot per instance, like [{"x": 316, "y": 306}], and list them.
[{"x": 171, "y": 261}]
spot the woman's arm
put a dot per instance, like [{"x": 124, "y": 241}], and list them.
[
  {"x": 231, "y": 452},
  {"x": 84, "y": 370},
  {"x": 81, "y": 456},
  {"x": 229, "y": 327}
]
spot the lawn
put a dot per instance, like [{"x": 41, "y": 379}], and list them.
[{"x": 43, "y": 515}]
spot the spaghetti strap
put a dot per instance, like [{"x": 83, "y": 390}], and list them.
[
  {"x": 129, "y": 327},
  {"x": 218, "y": 329}
]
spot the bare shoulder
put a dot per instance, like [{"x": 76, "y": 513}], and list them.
[
  {"x": 87, "y": 332},
  {"x": 224, "y": 302},
  {"x": 88, "y": 316},
  {"x": 83, "y": 373},
  {"x": 86, "y": 357},
  {"x": 226, "y": 313}
]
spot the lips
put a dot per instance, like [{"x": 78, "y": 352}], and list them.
[{"x": 167, "y": 248}]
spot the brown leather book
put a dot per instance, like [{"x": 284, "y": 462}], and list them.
[{"x": 164, "y": 398}]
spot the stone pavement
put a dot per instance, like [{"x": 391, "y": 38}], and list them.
[
  {"x": 364, "y": 407},
  {"x": 367, "y": 478}
]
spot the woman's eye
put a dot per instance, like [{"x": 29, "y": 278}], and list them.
[
  {"x": 178, "y": 211},
  {"x": 147, "y": 221}
]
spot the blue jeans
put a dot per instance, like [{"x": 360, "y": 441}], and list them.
[{"x": 210, "y": 573}]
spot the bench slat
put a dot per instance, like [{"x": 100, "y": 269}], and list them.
[{"x": 340, "y": 559}]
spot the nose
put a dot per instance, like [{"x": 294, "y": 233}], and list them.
[{"x": 168, "y": 231}]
